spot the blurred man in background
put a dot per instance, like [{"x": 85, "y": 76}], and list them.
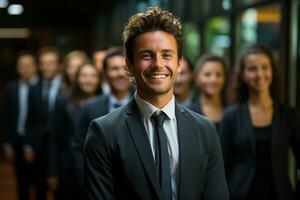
[
  {"x": 16, "y": 107},
  {"x": 118, "y": 81},
  {"x": 42, "y": 99}
]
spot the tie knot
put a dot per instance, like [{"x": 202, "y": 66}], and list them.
[
  {"x": 117, "y": 105},
  {"x": 159, "y": 118}
]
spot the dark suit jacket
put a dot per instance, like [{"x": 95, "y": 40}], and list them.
[
  {"x": 118, "y": 163},
  {"x": 11, "y": 111},
  {"x": 196, "y": 107},
  {"x": 238, "y": 144},
  {"x": 59, "y": 140},
  {"x": 92, "y": 109},
  {"x": 40, "y": 124}
]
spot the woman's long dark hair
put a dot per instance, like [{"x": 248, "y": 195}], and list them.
[{"x": 242, "y": 90}]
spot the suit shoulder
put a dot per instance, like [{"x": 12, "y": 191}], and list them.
[
  {"x": 196, "y": 116},
  {"x": 112, "y": 119},
  {"x": 95, "y": 101},
  {"x": 231, "y": 111}
]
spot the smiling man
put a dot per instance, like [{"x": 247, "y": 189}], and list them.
[{"x": 152, "y": 148}]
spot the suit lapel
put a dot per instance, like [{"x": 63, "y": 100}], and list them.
[
  {"x": 15, "y": 99},
  {"x": 278, "y": 148},
  {"x": 106, "y": 107},
  {"x": 185, "y": 150},
  {"x": 246, "y": 128},
  {"x": 276, "y": 126},
  {"x": 141, "y": 141}
]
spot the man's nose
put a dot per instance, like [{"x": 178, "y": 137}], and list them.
[{"x": 157, "y": 61}]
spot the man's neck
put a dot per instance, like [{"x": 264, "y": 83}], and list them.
[{"x": 158, "y": 101}]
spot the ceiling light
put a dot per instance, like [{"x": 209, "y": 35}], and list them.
[{"x": 15, "y": 9}]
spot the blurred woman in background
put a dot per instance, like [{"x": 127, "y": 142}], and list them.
[
  {"x": 257, "y": 132},
  {"x": 85, "y": 86},
  {"x": 71, "y": 63},
  {"x": 210, "y": 82}
]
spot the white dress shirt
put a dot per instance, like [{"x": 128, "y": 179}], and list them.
[
  {"x": 114, "y": 101},
  {"x": 23, "y": 103},
  {"x": 55, "y": 84},
  {"x": 170, "y": 128}
]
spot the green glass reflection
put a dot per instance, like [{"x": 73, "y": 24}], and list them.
[
  {"x": 191, "y": 44},
  {"x": 217, "y": 39}
]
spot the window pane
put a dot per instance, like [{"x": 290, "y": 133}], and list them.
[
  {"x": 259, "y": 25},
  {"x": 217, "y": 39},
  {"x": 208, "y": 7}
]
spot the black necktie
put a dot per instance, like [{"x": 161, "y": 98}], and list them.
[
  {"x": 162, "y": 156},
  {"x": 45, "y": 94}
]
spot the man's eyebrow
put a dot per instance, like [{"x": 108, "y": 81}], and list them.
[
  {"x": 149, "y": 51},
  {"x": 144, "y": 51},
  {"x": 168, "y": 51}
]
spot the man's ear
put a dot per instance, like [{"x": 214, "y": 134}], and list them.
[
  {"x": 128, "y": 65},
  {"x": 180, "y": 62}
]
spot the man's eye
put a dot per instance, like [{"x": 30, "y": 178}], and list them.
[
  {"x": 145, "y": 56},
  {"x": 251, "y": 68},
  {"x": 207, "y": 74},
  {"x": 265, "y": 67},
  {"x": 167, "y": 55}
]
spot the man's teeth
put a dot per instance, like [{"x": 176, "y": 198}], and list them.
[{"x": 158, "y": 76}]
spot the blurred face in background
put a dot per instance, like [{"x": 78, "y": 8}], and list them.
[
  {"x": 98, "y": 58},
  {"x": 49, "y": 65},
  {"x": 72, "y": 66},
  {"x": 257, "y": 72},
  {"x": 26, "y": 67},
  {"x": 184, "y": 80},
  {"x": 116, "y": 74},
  {"x": 88, "y": 79},
  {"x": 211, "y": 78}
]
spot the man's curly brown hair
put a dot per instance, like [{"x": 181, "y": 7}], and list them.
[{"x": 153, "y": 19}]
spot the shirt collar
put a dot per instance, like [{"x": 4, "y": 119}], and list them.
[
  {"x": 55, "y": 81},
  {"x": 32, "y": 81},
  {"x": 113, "y": 100},
  {"x": 148, "y": 109}
]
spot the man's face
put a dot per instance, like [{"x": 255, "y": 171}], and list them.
[
  {"x": 49, "y": 65},
  {"x": 116, "y": 75},
  {"x": 26, "y": 67},
  {"x": 155, "y": 63}
]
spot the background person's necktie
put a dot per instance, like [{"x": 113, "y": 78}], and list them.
[
  {"x": 117, "y": 105},
  {"x": 162, "y": 155}
]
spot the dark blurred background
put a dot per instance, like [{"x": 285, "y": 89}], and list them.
[{"x": 224, "y": 27}]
